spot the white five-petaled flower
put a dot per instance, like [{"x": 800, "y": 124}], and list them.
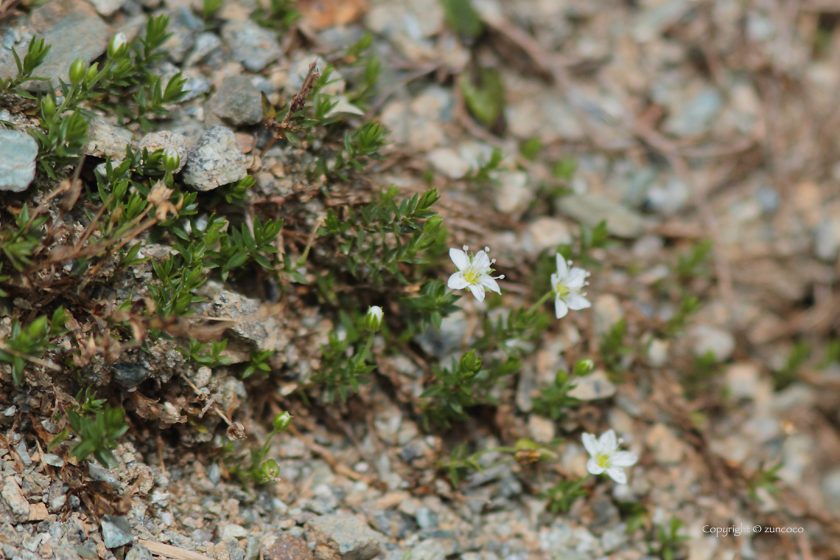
[
  {"x": 606, "y": 457},
  {"x": 473, "y": 272},
  {"x": 566, "y": 285}
]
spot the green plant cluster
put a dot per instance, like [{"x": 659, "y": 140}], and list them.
[{"x": 27, "y": 343}]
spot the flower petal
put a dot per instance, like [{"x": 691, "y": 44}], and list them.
[
  {"x": 576, "y": 278},
  {"x": 576, "y": 302},
  {"x": 554, "y": 280},
  {"x": 590, "y": 442},
  {"x": 617, "y": 474},
  {"x": 560, "y": 308},
  {"x": 490, "y": 283},
  {"x": 623, "y": 459},
  {"x": 562, "y": 269},
  {"x": 608, "y": 442},
  {"x": 460, "y": 258},
  {"x": 593, "y": 467},
  {"x": 477, "y": 290},
  {"x": 457, "y": 281},
  {"x": 481, "y": 261}
]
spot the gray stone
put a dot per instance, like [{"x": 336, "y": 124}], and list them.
[
  {"x": 250, "y": 44},
  {"x": 288, "y": 547},
  {"x": 13, "y": 496},
  {"x": 183, "y": 26},
  {"x": 265, "y": 333},
  {"x": 215, "y": 160},
  {"x": 440, "y": 342},
  {"x": 237, "y": 102},
  {"x": 590, "y": 210},
  {"x": 594, "y": 386},
  {"x": 18, "y": 152},
  {"x": 166, "y": 141},
  {"x": 139, "y": 552},
  {"x": 394, "y": 523},
  {"x": 116, "y": 531},
  {"x": 429, "y": 550},
  {"x": 205, "y": 43},
  {"x": 76, "y": 36},
  {"x": 343, "y": 537},
  {"x": 129, "y": 374},
  {"x": 107, "y": 140}
]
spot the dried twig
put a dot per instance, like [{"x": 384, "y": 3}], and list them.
[{"x": 298, "y": 102}]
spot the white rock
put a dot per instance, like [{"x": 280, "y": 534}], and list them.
[
  {"x": 594, "y": 386},
  {"x": 542, "y": 429},
  {"x": 449, "y": 163},
  {"x": 742, "y": 381},
  {"x": 706, "y": 338}
]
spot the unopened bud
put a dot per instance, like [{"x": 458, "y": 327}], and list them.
[
  {"x": 91, "y": 73},
  {"x": 282, "y": 421},
  {"x": 118, "y": 46},
  {"x": 77, "y": 71},
  {"x": 584, "y": 367},
  {"x": 48, "y": 106},
  {"x": 171, "y": 160},
  {"x": 373, "y": 320},
  {"x": 470, "y": 364}
]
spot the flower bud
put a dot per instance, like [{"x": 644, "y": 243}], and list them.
[
  {"x": 48, "y": 106},
  {"x": 282, "y": 421},
  {"x": 470, "y": 364},
  {"x": 583, "y": 367},
  {"x": 373, "y": 320},
  {"x": 118, "y": 46},
  {"x": 91, "y": 73},
  {"x": 171, "y": 160},
  {"x": 560, "y": 378},
  {"x": 77, "y": 71},
  {"x": 269, "y": 470}
]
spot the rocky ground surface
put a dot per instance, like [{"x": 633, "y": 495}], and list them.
[{"x": 688, "y": 120}]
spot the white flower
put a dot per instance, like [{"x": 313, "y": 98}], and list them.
[
  {"x": 473, "y": 272},
  {"x": 566, "y": 285},
  {"x": 605, "y": 456}
]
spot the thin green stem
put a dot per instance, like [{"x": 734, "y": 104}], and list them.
[
  {"x": 363, "y": 354},
  {"x": 542, "y": 300}
]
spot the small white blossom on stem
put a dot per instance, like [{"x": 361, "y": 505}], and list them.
[
  {"x": 566, "y": 285},
  {"x": 606, "y": 457},
  {"x": 473, "y": 272}
]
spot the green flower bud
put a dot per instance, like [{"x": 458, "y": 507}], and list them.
[
  {"x": 171, "y": 160},
  {"x": 583, "y": 367},
  {"x": 118, "y": 46},
  {"x": 470, "y": 364},
  {"x": 560, "y": 378},
  {"x": 48, "y": 106},
  {"x": 282, "y": 421},
  {"x": 77, "y": 71},
  {"x": 91, "y": 73},
  {"x": 373, "y": 320}
]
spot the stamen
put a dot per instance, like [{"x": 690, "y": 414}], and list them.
[
  {"x": 466, "y": 248},
  {"x": 487, "y": 249}
]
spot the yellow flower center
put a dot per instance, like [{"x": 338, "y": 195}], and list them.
[
  {"x": 561, "y": 290},
  {"x": 603, "y": 461},
  {"x": 471, "y": 275}
]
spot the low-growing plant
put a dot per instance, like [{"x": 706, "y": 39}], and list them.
[
  {"x": 562, "y": 496},
  {"x": 27, "y": 344},
  {"x": 206, "y": 353},
  {"x": 554, "y": 400},
  {"x": 98, "y": 428},
  {"x": 260, "y": 471},
  {"x": 669, "y": 539}
]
